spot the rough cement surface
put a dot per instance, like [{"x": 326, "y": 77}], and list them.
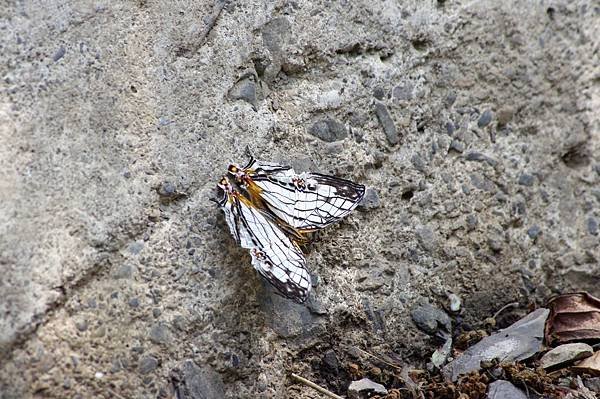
[{"x": 476, "y": 123}]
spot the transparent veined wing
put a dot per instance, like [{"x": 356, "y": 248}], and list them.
[
  {"x": 306, "y": 201},
  {"x": 274, "y": 255}
]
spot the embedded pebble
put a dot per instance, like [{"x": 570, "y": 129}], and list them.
[
  {"x": 147, "y": 364},
  {"x": 592, "y": 226},
  {"x": 526, "y": 180},
  {"x": 370, "y": 200},
  {"x": 245, "y": 90},
  {"x": 167, "y": 189},
  {"x": 455, "y": 302},
  {"x": 365, "y": 388},
  {"x": 59, "y": 54},
  {"x": 198, "y": 382},
  {"x": 329, "y": 130},
  {"x": 134, "y": 302},
  {"x": 431, "y": 319},
  {"x": 389, "y": 128},
  {"x": 331, "y": 361},
  {"x": 485, "y": 118},
  {"x": 534, "y": 231},
  {"x": 379, "y": 93},
  {"x": 504, "y": 115},
  {"x": 450, "y": 100},
  {"x": 457, "y": 146},
  {"x": 159, "y": 334},
  {"x": 124, "y": 271}
]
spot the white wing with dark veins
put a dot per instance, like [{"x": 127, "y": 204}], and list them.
[
  {"x": 306, "y": 201},
  {"x": 277, "y": 258}
]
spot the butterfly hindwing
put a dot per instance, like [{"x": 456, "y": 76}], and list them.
[{"x": 274, "y": 255}]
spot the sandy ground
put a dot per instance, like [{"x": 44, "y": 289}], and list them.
[{"x": 475, "y": 123}]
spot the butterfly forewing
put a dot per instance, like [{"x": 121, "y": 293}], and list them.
[
  {"x": 277, "y": 258},
  {"x": 307, "y": 201}
]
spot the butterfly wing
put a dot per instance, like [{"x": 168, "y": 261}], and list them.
[
  {"x": 306, "y": 202},
  {"x": 277, "y": 258}
]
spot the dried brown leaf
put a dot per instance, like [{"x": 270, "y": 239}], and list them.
[
  {"x": 573, "y": 317},
  {"x": 591, "y": 365}
]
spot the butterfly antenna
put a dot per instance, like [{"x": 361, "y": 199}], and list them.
[{"x": 248, "y": 152}]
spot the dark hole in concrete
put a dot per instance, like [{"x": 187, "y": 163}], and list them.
[{"x": 407, "y": 195}]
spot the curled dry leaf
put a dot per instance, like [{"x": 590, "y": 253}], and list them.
[
  {"x": 573, "y": 317},
  {"x": 591, "y": 365}
]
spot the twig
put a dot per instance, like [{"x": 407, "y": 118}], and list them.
[
  {"x": 380, "y": 359},
  {"x": 503, "y": 308},
  {"x": 211, "y": 20},
  {"x": 316, "y": 387}
]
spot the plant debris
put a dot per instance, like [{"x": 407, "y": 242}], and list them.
[
  {"x": 591, "y": 365},
  {"x": 573, "y": 317}
]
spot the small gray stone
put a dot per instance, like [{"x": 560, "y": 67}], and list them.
[
  {"x": 592, "y": 384},
  {"x": 592, "y": 226},
  {"x": 504, "y": 115},
  {"x": 147, "y": 364},
  {"x": 455, "y": 302},
  {"x": 329, "y": 130},
  {"x": 534, "y": 231},
  {"x": 315, "y": 306},
  {"x": 403, "y": 92},
  {"x": 450, "y": 100},
  {"x": 275, "y": 33},
  {"x": 370, "y": 200},
  {"x": 389, "y": 128},
  {"x": 450, "y": 128},
  {"x": 287, "y": 318},
  {"x": 330, "y": 361},
  {"x": 495, "y": 243},
  {"x": 566, "y": 354},
  {"x": 472, "y": 221},
  {"x": 59, "y": 54},
  {"x": 457, "y": 146},
  {"x": 379, "y": 93},
  {"x": 134, "y": 302},
  {"x": 156, "y": 312},
  {"x": 426, "y": 238},
  {"x": 502, "y": 389},
  {"x": 167, "y": 189},
  {"x": 124, "y": 271},
  {"x": 526, "y": 180},
  {"x": 82, "y": 325},
  {"x": 245, "y": 90},
  {"x": 485, "y": 118},
  {"x": 198, "y": 383},
  {"x": 431, "y": 319},
  {"x": 135, "y": 247},
  {"x": 479, "y": 157},
  {"x": 418, "y": 163},
  {"x": 365, "y": 388},
  {"x": 160, "y": 334},
  {"x": 440, "y": 355}
]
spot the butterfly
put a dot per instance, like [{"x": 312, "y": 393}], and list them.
[
  {"x": 280, "y": 207},
  {"x": 306, "y": 201}
]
